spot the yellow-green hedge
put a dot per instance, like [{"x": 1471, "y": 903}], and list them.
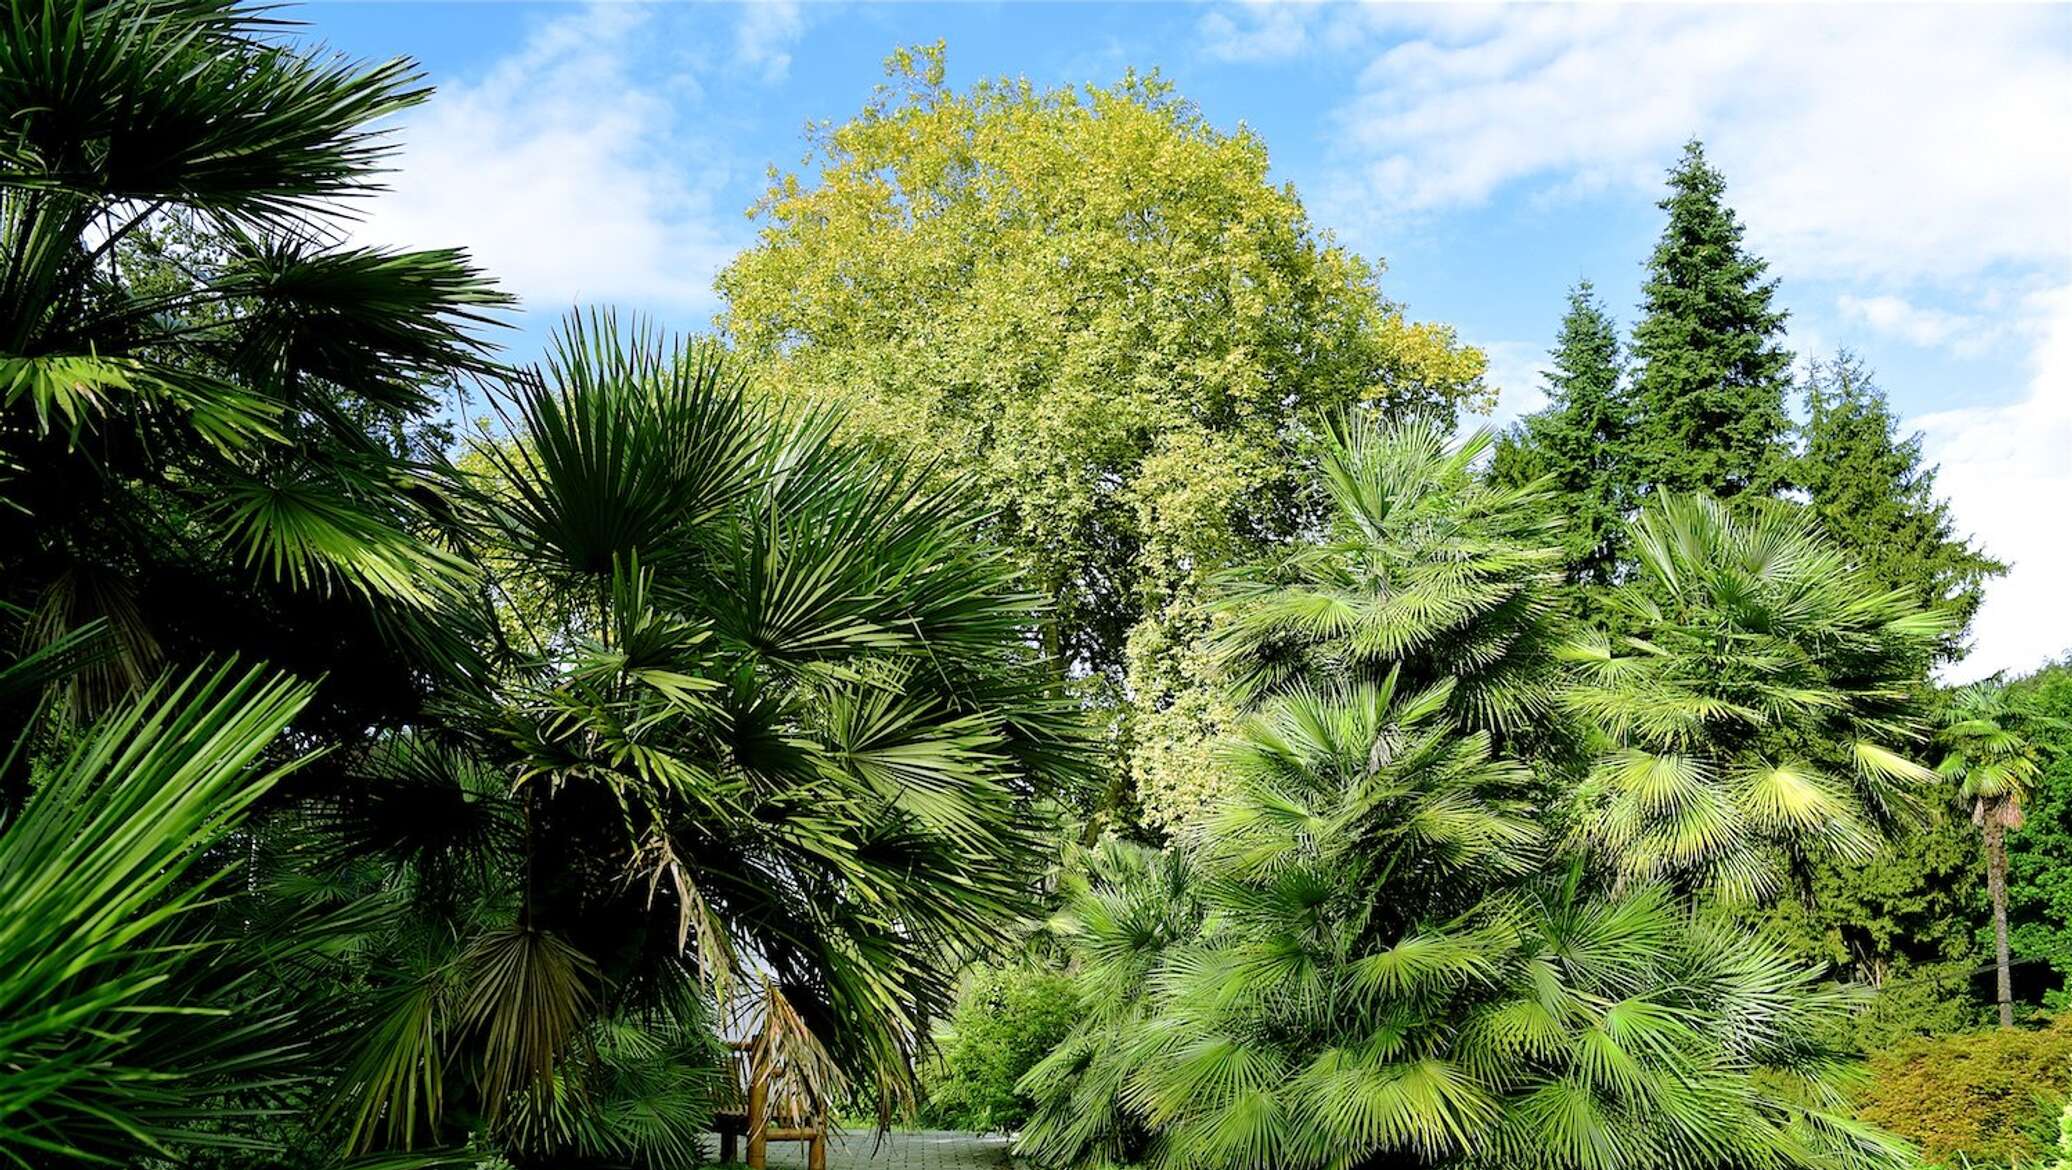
[{"x": 1990, "y": 1098}]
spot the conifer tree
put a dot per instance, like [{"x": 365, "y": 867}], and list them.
[
  {"x": 1712, "y": 370},
  {"x": 1874, "y": 497},
  {"x": 1582, "y": 439}
]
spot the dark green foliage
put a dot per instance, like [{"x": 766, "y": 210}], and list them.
[
  {"x": 1974, "y": 1098},
  {"x": 124, "y": 1017},
  {"x": 1873, "y": 497},
  {"x": 1711, "y": 368},
  {"x": 1989, "y": 756},
  {"x": 1582, "y": 441},
  {"x": 1006, "y": 1019},
  {"x": 2040, "y": 853},
  {"x": 1914, "y": 921},
  {"x": 1905, "y": 923},
  {"x": 216, "y": 432}
]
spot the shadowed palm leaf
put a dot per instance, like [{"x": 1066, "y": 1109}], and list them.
[{"x": 201, "y": 404}]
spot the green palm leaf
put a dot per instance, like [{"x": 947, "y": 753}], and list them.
[{"x": 101, "y": 876}]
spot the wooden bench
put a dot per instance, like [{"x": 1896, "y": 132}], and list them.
[{"x": 749, "y": 1116}]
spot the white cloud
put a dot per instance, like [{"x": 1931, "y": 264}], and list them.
[
  {"x": 568, "y": 177},
  {"x": 1909, "y": 142},
  {"x": 2009, "y": 479},
  {"x": 764, "y": 35},
  {"x": 1517, "y": 371},
  {"x": 1917, "y": 325},
  {"x": 1267, "y": 31}
]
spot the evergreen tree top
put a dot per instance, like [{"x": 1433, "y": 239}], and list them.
[
  {"x": 1875, "y": 496},
  {"x": 1581, "y": 439},
  {"x": 1585, "y": 409},
  {"x": 1713, "y": 369},
  {"x": 1700, "y": 262}
]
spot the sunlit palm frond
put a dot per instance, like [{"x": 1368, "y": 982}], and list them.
[
  {"x": 626, "y": 443},
  {"x": 1425, "y": 568},
  {"x": 1775, "y": 678},
  {"x": 313, "y": 534}
]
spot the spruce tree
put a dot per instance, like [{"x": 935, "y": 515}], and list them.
[
  {"x": 1712, "y": 367},
  {"x": 1875, "y": 498},
  {"x": 1582, "y": 439}
]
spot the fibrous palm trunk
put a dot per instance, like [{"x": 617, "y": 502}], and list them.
[{"x": 1996, "y": 888}]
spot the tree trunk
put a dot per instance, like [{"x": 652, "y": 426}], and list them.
[{"x": 1996, "y": 888}]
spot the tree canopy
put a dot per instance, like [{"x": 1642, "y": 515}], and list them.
[
  {"x": 378, "y": 795},
  {"x": 1096, "y": 303}
]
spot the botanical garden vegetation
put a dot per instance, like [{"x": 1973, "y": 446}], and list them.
[{"x": 1063, "y": 653}]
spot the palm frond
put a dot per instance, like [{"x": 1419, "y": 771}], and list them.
[{"x": 100, "y": 878}]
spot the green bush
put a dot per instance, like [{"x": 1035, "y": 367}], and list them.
[
  {"x": 1982, "y": 1098},
  {"x": 1005, "y": 1021}
]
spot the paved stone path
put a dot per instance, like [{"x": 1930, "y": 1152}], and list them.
[{"x": 920, "y": 1150}]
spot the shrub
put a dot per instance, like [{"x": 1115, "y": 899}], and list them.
[
  {"x": 1006, "y": 1019},
  {"x": 1981, "y": 1098}
]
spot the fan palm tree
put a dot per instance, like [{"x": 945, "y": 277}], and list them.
[
  {"x": 775, "y": 718},
  {"x": 1123, "y": 907},
  {"x": 206, "y": 407},
  {"x": 1380, "y": 970},
  {"x": 1986, "y": 751},
  {"x": 1376, "y": 956},
  {"x": 1757, "y": 707},
  {"x": 1421, "y": 566}
]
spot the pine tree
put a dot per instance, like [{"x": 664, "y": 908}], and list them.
[
  {"x": 1583, "y": 440},
  {"x": 1712, "y": 368},
  {"x": 1875, "y": 498}
]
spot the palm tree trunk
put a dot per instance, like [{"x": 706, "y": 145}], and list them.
[{"x": 1996, "y": 888}]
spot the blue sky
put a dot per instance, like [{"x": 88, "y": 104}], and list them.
[{"x": 1907, "y": 171}]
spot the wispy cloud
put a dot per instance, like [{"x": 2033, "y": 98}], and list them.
[
  {"x": 570, "y": 170},
  {"x": 1905, "y": 142},
  {"x": 764, "y": 34},
  {"x": 1918, "y": 325},
  {"x": 1262, "y": 30},
  {"x": 2006, "y": 471}
]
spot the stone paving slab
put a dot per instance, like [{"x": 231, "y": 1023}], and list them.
[{"x": 913, "y": 1150}]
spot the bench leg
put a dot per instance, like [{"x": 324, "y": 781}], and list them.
[
  {"x": 758, "y": 1126},
  {"x": 816, "y": 1153},
  {"x": 729, "y": 1147}
]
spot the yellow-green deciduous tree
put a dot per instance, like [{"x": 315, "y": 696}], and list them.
[{"x": 1102, "y": 305}]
